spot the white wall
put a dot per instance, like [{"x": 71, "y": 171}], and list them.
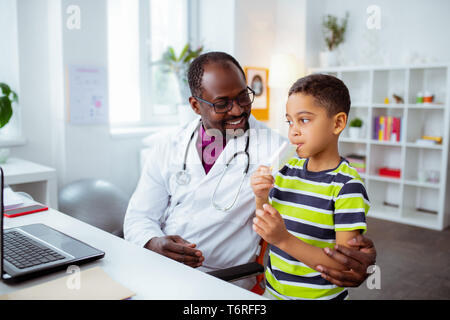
[
  {"x": 265, "y": 27},
  {"x": 90, "y": 149},
  {"x": 216, "y": 25},
  {"x": 254, "y": 32},
  {"x": 406, "y": 27},
  {"x": 45, "y": 47},
  {"x": 9, "y": 63},
  {"x": 35, "y": 87}
]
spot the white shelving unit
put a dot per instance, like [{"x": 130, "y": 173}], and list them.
[{"x": 408, "y": 199}]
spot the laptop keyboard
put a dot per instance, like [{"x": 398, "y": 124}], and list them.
[{"x": 24, "y": 252}]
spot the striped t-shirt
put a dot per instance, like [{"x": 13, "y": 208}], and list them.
[{"x": 314, "y": 205}]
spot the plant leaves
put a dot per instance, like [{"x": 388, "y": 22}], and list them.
[
  {"x": 184, "y": 51},
  {"x": 5, "y": 88},
  {"x": 15, "y": 97},
  {"x": 192, "y": 55},
  {"x": 5, "y": 110},
  {"x": 333, "y": 31},
  {"x": 172, "y": 55}
]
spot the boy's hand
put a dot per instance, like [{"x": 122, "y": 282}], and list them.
[
  {"x": 269, "y": 224},
  {"x": 261, "y": 182}
]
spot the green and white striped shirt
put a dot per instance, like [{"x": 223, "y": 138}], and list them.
[{"x": 314, "y": 205}]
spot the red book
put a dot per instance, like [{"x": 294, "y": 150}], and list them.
[
  {"x": 396, "y": 128},
  {"x": 17, "y": 212},
  {"x": 389, "y": 172}
]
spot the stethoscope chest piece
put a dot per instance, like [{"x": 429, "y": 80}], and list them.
[{"x": 183, "y": 177}]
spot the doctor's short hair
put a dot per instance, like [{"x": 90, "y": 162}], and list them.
[
  {"x": 197, "y": 67},
  {"x": 329, "y": 92}
]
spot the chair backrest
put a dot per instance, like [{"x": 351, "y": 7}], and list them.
[{"x": 94, "y": 201}]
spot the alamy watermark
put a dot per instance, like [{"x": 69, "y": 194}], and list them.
[
  {"x": 74, "y": 19},
  {"x": 374, "y": 280},
  {"x": 73, "y": 281},
  {"x": 374, "y": 18}
]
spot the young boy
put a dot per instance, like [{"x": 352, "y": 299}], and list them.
[{"x": 316, "y": 200}]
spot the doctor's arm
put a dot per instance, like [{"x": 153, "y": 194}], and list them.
[{"x": 142, "y": 224}]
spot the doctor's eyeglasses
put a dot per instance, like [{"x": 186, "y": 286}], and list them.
[{"x": 244, "y": 99}]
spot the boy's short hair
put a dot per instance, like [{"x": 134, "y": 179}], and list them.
[{"x": 329, "y": 92}]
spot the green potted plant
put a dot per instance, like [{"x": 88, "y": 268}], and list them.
[
  {"x": 355, "y": 128},
  {"x": 334, "y": 32},
  {"x": 7, "y": 98},
  {"x": 178, "y": 65}
]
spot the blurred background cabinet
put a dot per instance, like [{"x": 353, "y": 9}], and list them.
[
  {"x": 402, "y": 147},
  {"x": 34, "y": 179}
]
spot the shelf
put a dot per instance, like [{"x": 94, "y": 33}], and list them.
[
  {"x": 383, "y": 179},
  {"x": 420, "y": 219},
  {"x": 350, "y": 140},
  {"x": 12, "y": 142},
  {"x": 378, "y": 67},
  {"x": 423, "y": 146},
  {"x": 385, "y": 143},
  {"x": 360, "y": 105},
  {"x": 379, "y": 210},
  {"x": 369, "y": 86},
  {"x": 391, "y": 144},
  {"x": 417, "y": 183},
  {"x": 410, "y": 217},
  {"x": 389, "y": 106},
  {"x": 426, "y": 106}
]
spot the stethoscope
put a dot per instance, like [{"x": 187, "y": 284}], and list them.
[{"x": 183, "y": 177}]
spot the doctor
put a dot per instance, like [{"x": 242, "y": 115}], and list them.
[{"x": 193, "y": 202}]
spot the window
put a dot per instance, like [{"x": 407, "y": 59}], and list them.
[
  {"x": 139, "y": 32},
  {"x": 11, "y": 133}
]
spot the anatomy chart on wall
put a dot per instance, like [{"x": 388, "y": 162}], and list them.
[{"x": 87, "y": 95}]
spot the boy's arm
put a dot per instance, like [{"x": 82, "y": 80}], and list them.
[
  {"x": 260, "y": 202},
  {"x": 261, "y": 182},
  {"x": 351, "y": 207},
  {"x": 313, "y": 256},
  {"x": 270, "y": 225}
]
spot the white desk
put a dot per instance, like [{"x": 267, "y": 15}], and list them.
[
  {"x": 148, "y": 274},
  {"x": 37, "y": 180}
]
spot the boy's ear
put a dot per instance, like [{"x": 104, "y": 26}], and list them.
[{"x": 340, "y": 121}]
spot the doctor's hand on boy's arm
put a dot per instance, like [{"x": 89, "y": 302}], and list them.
[
  {"x": 357, "y": 256},
  {"x": 176, "y": 248},
  {"x": 261, "y": 182}
]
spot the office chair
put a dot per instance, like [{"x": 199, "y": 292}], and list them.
[
  {"x": 247, "y": 270},
  {"x": 97, "y": 202}
]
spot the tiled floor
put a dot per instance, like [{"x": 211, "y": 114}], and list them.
[{"x": 414, "y": 262}]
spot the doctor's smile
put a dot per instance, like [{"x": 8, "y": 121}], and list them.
[{"x": 237, "y": 124}]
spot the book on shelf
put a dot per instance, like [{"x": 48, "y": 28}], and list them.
[
  {"x": 357, "y": 161},
  {"x": 387, "y": 128},
  {"x": 389, "y": 172}
]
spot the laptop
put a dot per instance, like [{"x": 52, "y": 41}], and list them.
[{"x": 37, "y": 249}]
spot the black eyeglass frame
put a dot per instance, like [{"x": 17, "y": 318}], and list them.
[{"x": 230, "y": 102}]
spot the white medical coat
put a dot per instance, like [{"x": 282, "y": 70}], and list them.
[{"x": 159, "y": 206}]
